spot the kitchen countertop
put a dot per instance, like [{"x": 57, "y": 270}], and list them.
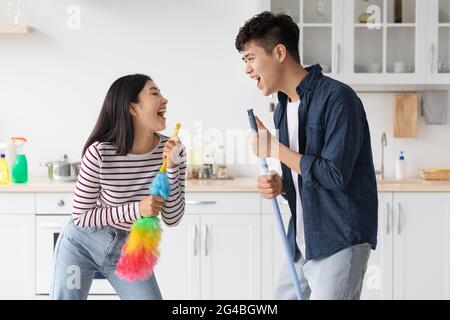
[{"x": 242, "y": 184}]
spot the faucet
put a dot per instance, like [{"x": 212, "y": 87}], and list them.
[{"x": 383, "y": 145}]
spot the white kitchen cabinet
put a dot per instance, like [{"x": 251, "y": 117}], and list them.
[
  {"x": 438, "y": 41},
  {"x": 211, "y": 256},
  {"x": 273, "y": 255},
  {"x": 421, "y": 246},
  {"x": 178, "y": 269},
  {"x": 231, "y": 256},
  {"x": 411, "y": 260},
  {"x": 215, "y": 251},
  {"x": 321, "y": 30},
  {"x": 384, "y": 50},
  {"x": 378, "y": 283},
  {"x": 17, "y": 256}
]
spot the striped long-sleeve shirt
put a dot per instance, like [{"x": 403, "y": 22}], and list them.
[{"x": 109, "y": 187}]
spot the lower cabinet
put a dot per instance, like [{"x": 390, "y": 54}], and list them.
[
  {"x": 421, "y": 255},
  {"x": 413, "y": 255},
  {"x": 17, "y": 256},
  {"x": 215, "y": 252},
  {"x": 378, "y": 280},
  {"x": 227, "y": 246},
  {"x": 273, "y": 255},
  {"x": 178, "y": 269},
  {"x": 211, "y": 257}
]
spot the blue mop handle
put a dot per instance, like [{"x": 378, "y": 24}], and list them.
[{"x": 276, "y": 210}]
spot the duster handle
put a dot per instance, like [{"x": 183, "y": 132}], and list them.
[{"x": 174, "y": 134}]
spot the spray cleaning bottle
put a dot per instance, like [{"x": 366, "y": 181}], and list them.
[
  {"x": 5, "y": 177},
  {"x": 20, "y": 166}
]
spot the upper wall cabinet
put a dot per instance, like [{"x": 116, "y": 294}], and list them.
[
  {"x": 363, "y": 42},
  {"x": 320, "y": 24},
  {"x": 438, "y": 35},
  {"x": 385, "y": 41}
]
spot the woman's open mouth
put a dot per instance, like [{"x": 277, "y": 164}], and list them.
[{"x": 161, "y": 113}]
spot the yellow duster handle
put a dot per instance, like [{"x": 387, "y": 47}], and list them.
[{"x": 174, "y": 134}]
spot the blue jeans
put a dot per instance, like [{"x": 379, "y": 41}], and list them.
[
  {"x": 80, "y": 252},
  {"x": 337, "y": 277}
]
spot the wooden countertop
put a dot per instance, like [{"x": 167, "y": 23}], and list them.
[{"x": 244, "y": 184}]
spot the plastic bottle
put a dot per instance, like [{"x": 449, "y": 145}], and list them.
[
  {"x": 20, "y": 167},
  {"x": 5, "y": 177},
  {"x": 11, "y": 152},
  {"x": 400, "y": 172}
]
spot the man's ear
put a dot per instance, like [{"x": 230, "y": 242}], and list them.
[{"x": 280, "y": 52}]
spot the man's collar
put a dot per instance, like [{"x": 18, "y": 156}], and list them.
[{"x": 306, "y": 85}]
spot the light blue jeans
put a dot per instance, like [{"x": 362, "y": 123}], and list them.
[
  {"x": 337, "y": 277},
  {"x": 81, "y": 252}
]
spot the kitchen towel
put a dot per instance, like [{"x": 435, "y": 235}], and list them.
[{"x": 435, "y": 106}]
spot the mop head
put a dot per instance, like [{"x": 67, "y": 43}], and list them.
[{"x": 140, "y": 253}]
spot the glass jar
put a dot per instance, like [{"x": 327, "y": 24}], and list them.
[{"x": 9, "y": 12}]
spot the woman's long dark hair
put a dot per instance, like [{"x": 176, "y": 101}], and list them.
[{"x": 114, "y": 123}]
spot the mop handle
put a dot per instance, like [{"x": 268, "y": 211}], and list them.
[
  {"x": 279, "y": 221},
  {"x": 174, "y": 134}
]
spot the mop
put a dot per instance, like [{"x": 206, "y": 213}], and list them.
[
  {"x": 279, "y": 221},
  {"x": 140, "y": 252}
]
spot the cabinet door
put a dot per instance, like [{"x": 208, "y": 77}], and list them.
[
  {"x": 273, "y": 255},
  {"x": 421, "y": 246},
  {"x": 231, "y": 256},
  {"x": 321, "y": 31},
  {"x": 438, "y": 59},
  {"x": 178, "y": 269},
  {"x": 385, "y": 41},
  {"x": 17, "y": 250},
  {"x": 378, "y": 278}
]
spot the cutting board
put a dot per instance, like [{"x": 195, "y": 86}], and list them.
[{"x": 406, "y": 115}]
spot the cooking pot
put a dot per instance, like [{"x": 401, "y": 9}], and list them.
[{"x": 62, "y": 170}]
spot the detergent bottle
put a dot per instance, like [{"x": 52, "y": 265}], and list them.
[
  {"x": 400, "y": 172},
  {"x": 20, "y": 166},
  {"x": 5, "y": 177}
]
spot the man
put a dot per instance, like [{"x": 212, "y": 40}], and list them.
[{"x": 326, "y": 157}]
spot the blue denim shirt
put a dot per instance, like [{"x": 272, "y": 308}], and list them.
[{"x": 337, "y": 184}]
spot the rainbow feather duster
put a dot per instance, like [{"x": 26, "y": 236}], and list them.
[{"x": 140, "y": 253}]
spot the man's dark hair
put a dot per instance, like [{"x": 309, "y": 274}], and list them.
[{"x": 269, "y": 30}]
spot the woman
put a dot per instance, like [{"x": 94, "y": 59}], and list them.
[{"x": 120, "y": 159}]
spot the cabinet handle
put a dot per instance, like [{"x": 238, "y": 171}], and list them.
[
  {"x": 388, "y": 217},
  {"x": 61, "y": 203},
  {"x": 399, "y": 221},
  {"x": 195, "y": 240},
  {"x": 338, "y": 58},
  {"x": 432, "y": 54},
  {"x": 206, "y": 239},
  {"x": 193, "y": 202},
  {"x": 51, "y": 225}
]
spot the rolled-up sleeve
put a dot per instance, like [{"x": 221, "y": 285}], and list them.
[{"x": 343, "y": 135}]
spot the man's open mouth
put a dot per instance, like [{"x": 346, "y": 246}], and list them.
[{"x": 258, "y": 80}]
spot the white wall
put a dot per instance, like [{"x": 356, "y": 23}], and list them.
[
  {"x": 430, "y": 149},
  {"x": 53, "y": 81}
]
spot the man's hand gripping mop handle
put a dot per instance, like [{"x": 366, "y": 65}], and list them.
[{"x": 276, "y": 209}]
